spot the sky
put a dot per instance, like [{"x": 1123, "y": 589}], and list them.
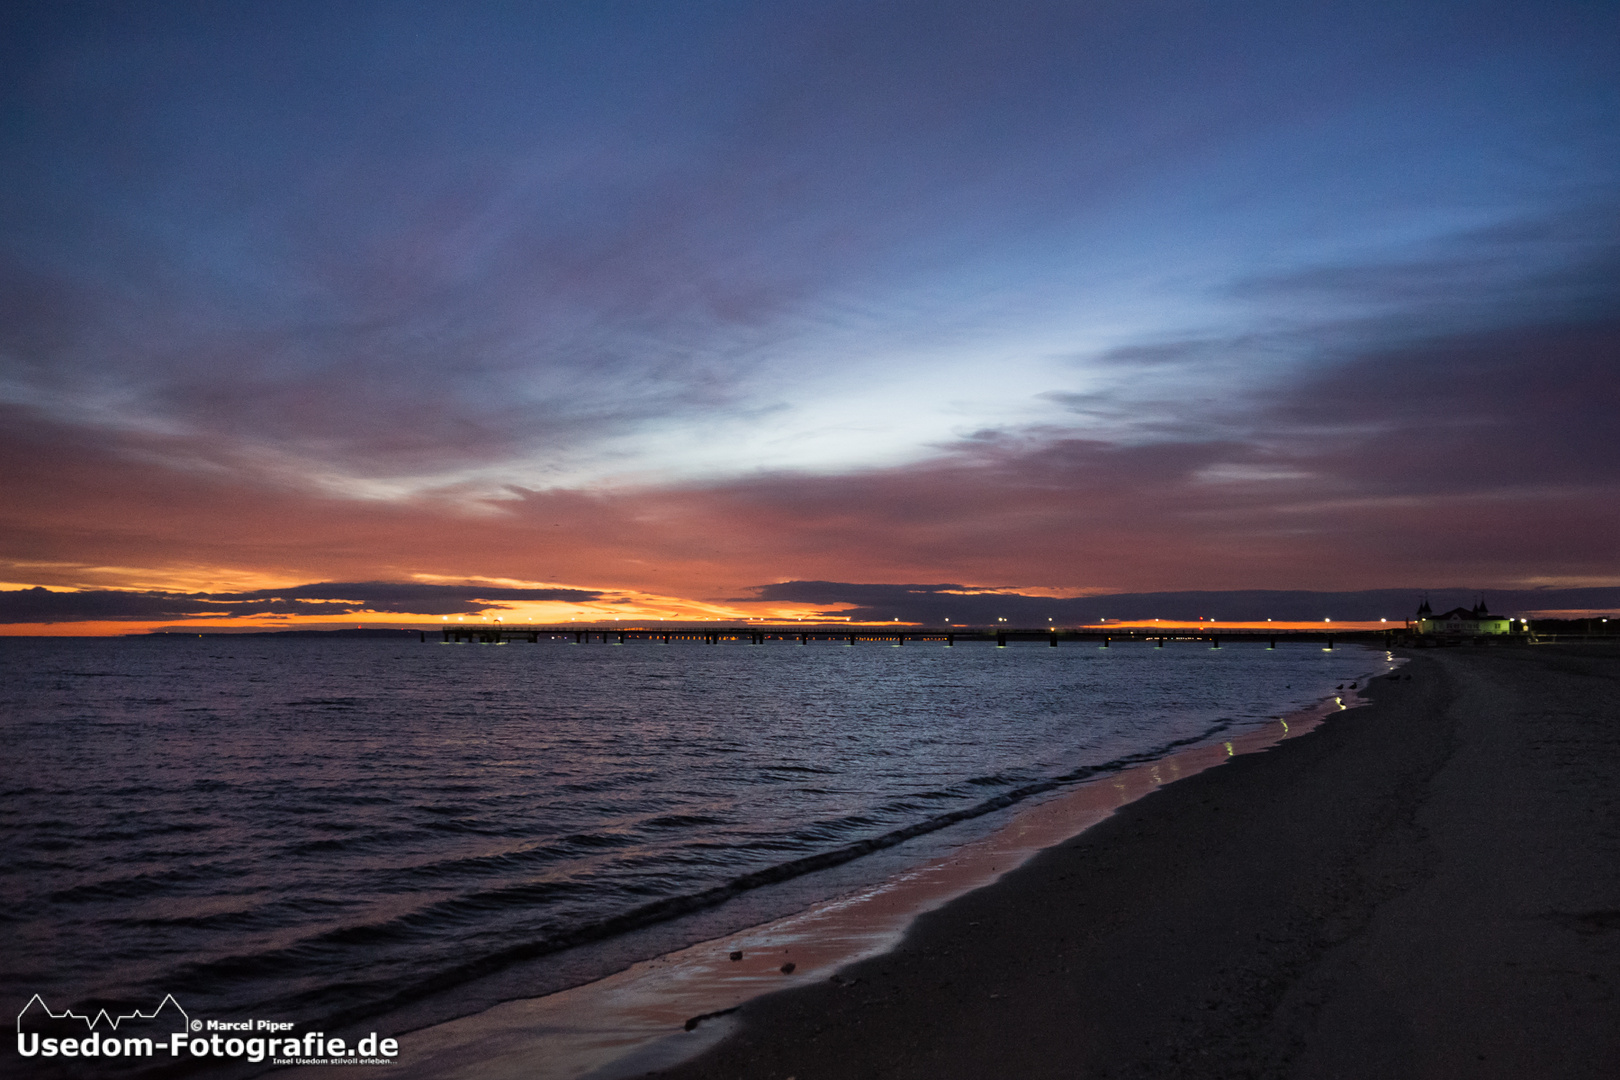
[{"x": 722, "y": 310}]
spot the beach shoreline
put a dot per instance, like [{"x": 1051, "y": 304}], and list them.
[
  {"x": 1428, "y": 886},
  {"x": 669, "y": 1007}
]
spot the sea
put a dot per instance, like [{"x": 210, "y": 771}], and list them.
[{"x": 333, "y": 831}]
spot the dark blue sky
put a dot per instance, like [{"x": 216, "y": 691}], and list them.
[{"x": 1292, "y": 276}]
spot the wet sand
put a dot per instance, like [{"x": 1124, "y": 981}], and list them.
[
  {"x": 644, "y": 1017},
  {"x": 1428, "y": 886}
]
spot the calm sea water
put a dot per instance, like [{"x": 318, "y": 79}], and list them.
[{"x": 333, "y": 830}]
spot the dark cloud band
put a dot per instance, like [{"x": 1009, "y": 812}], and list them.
[
  {"x": 39, "y": 605},
  {"x": 932, "y": 604}
]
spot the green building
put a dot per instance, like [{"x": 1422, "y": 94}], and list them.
[{"x": 1461, "y": 622}]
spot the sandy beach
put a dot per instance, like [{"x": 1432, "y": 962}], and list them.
[{"x": 1428, "y": 886}]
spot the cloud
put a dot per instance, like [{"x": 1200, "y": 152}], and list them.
[
  {"x": 1441, "y": 463},
  {"x": 39, "y": 605},
  {"x": 933, "y": 604},
  {"x": 408, "y": 597},
  {"x": 1562, "y": 263},
  {"x": 532, "y": 293},
  {"x": 548, "y": 244},
  {"x": 1527, "y": 407}
]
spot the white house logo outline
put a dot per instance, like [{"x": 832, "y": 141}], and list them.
[{"x": 89, "y": 1023}]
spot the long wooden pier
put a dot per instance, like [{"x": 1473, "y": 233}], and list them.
[{"x": 500, "y": 633}]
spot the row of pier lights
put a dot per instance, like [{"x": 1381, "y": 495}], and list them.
[{"x": 1002, "y": 636}]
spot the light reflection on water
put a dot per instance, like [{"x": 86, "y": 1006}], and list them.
[
  {"x": 328, "y": 829},
  {"x": 661, "y": 1011}
]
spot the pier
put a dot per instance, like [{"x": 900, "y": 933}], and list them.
[{"x": 501, "y": 633}]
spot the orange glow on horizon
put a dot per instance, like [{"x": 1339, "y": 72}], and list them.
[{"x": 626, "y": 616}]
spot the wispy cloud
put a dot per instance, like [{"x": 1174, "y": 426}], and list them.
[{"x": 1112, "y": 295}]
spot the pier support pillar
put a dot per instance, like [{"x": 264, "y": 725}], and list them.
[
  {"x": 1216, "y": 639},
  {"x": 1273, "y": 644},
  {"x": 1160, "y": 644},
  {"x": 1053, "y": 641},
  {"x": 1001, "y": 641},
  {"x": 1106, "y": 642},
  {"x": 950, "y": 639}
]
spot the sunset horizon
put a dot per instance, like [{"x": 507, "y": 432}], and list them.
[
  {"x": 665, "y": 311},
  {"x": 1041, "y": 538}
]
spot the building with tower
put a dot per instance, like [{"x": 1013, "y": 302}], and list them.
[{"x": 1460, "y": 622}]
